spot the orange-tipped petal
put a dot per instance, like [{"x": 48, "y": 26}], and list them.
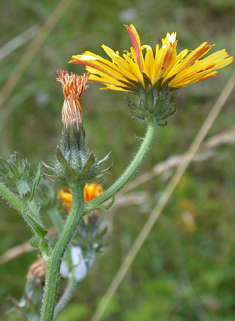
[{"x": 135, "y": 40}]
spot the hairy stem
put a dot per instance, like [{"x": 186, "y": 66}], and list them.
[
  {"x": 12, "y": 199},
  {"x": 66, "y": 296},
  {"x": 28, "y": 211},
  {"x": 131, "y": 169},
  {"x": 54, "y": 260}
]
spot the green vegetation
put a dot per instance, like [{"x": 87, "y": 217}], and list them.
[{"x": 183, "y": 272}]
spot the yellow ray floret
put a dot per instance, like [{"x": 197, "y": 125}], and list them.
[{"x": 126, "y": 71}]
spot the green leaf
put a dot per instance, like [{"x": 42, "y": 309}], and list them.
[
  {"x": 147, "y": 81},
  {"x": 137, "y": 114},
  {"x": 4, "y": 164},
  {"x": 35, "y": 241},
  {"x": 11, "y": 180},
  {"x": 90, "y": 162},
  {"x": 104, "y": 159},
  {"x": 130, "y": 104},
  {"x": 73, "y": 174},
  {"x": 54, "y": 178},
  {"x": 36, "y": 182},
  {"x": 106, "y": 207},
  {"x": 61, "y": 158},
  {"x": 150, "y": 98},
  {"x": 2, "y": 173},
  {"x": 37, "y": 227},
  {"x": 107, "y": 169},
  {"x": 18, "y": 160}
]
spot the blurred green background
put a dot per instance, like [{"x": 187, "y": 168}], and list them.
[{"x": 184, "y": 271}]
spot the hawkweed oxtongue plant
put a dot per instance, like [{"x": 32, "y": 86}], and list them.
[{"x": 153, "y": 76}]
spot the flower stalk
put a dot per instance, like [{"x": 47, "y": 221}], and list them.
[
  {"x": 131, "y": 169},
  {"x": 53, "y": 262}
]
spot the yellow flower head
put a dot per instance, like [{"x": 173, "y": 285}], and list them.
[
  {"x": 125, "y": 72},
  {"x": 91, "y": 191},
  {"x": 73, "y": 86}
]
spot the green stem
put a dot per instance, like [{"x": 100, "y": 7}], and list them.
[
  {"x": 28, "y": 211},
  {"x": 53, "y": 262},
  {"x": 131, "y": 169},
  {"x": 13, "y": 199}
]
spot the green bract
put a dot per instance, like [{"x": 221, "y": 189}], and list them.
[{"x": 154, "y": 101}]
